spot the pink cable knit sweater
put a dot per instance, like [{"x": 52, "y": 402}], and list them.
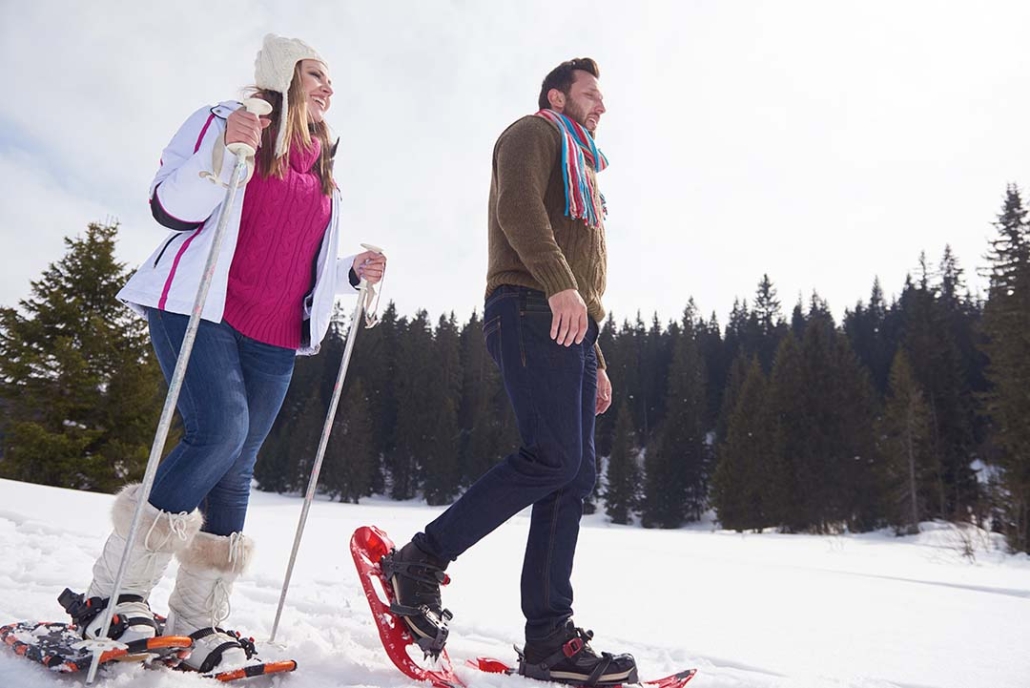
[{"x": 281, "y": 229}]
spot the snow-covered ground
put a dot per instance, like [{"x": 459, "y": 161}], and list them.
[{"x": 761, "y": 611}]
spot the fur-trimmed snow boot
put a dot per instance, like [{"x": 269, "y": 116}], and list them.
[
  {"x": 200, "y": 602},
  {"x": 160, "y": 534}
]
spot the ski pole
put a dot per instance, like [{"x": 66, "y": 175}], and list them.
[
  {"x": 242, "y": 151},
  {"x": 323, "y": 442}
]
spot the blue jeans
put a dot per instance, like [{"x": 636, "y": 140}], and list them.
[
  {"x": 231, "y": 394},
  {"x": 553, "y": 392}
]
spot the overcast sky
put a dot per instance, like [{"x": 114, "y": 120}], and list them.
[{"x": 822, "y": 142}]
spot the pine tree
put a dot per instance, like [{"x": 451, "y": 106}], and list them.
[
  {"x": 865, "y": 328},
  {"x": 441, "y": 469},
  {"x": 488, "y": 429},
  {"x": 478, "y": 451},
  {"x": 687, "y": 411},
  {"x": 859, "y": 507},
  {"x": 305, "y": 437},
  {"x": 766, "y": 325},
  {"x": 905, "y": 445},
  {"x": 930, "y": 345},
  {"x": 789, "y": 428},
  {"x": 285, "y": 459},
  {"x": 5, "y": 414},
  {"x": 604, "y": 431},
  {"x": 963, "y": 315},
  {"x": 623, "y": 474},
  {"x": 272, "y": 470},
  {"x": 350, "y": 460},
  {"x": 737, "y": 340},
  {"x": 375, "y": 356},
  {"x": 675, "y": 488},
  {"x": 731, "y": 392},
  {"x": 412, "y": 384},
  {"x": 83, "y": 389},
  {"x": 1006, "y": 324},
  {"x": 654, "y": 353},
  {"x": 717, "y": 365},
  {"x": 737, "y": 483},
  {"x": 798, "y": 320},
  {"x": 834, "y": 460}
]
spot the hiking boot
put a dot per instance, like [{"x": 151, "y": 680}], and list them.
[
  {"x": 416, "y": 578},
  {"x": 566, "y": 657}
]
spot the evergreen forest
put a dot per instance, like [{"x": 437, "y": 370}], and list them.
[{"x": 913, "y": 407}]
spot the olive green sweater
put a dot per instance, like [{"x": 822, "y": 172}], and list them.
[{"x": 532, "y": 242}]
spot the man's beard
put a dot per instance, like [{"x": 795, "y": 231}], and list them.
[{"x": 577, "y": 114}]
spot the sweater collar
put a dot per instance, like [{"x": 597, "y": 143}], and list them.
[{"x": 303, "y": 159}]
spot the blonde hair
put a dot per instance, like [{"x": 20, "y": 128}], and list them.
[{"x": 297, "y": 128}]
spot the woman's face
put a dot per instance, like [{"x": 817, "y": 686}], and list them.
[{"x": 317, "y": 87}]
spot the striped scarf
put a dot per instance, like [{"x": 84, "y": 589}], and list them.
[{"x": 577, "y": 149}]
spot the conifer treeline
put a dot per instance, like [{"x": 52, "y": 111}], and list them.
[
  {"x": 904, "y": 411},
  {"x": 796, "y": 422},
  {"x": 423, "y": 412}
]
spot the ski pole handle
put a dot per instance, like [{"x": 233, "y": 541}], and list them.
[{"x": 257, "y": 107}]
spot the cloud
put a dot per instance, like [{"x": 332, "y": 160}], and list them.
[
  {"x": 37, "y": 215},
  {"x": 823, "y": 144}
]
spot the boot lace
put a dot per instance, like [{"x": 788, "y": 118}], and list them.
[
  {"x": 236, "y": 542},
  {"x": 177, "y": 528},
  {"x": 151, "y": 557},
  {"x": 217, "y": 602}
]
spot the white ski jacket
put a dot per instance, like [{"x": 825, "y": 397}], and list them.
[{"x": 187, "y": 195}]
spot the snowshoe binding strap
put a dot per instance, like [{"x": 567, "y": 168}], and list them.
[
  {"x": 572, "y": 647},
  {"x": 431, "y": 646},
  {"x": 214, "y": 658},
  {"x": 420, "y": 571},
  {"x": 83, "y": 611},
  {"x": 431, "y": 634}
]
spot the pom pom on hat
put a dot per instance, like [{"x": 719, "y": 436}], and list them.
[{"x": 273, "y": 71}]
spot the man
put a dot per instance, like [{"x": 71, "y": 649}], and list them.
[{"x": 545, "y": 280}]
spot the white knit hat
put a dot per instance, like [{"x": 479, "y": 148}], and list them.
[{"x": 273, "y": 71}]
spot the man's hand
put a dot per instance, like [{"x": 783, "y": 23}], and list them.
[
  {"x": 604, "y": 392},
  {"x": 568, "y": 317}
]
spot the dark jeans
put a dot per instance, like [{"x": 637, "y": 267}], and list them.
[
  {"x": 231, "y": 394},
  {"x": 553, "y": 392}
]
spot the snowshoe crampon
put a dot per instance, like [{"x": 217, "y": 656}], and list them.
[
  {"x": 368, "y": 546},
  {"x": 60, "y": 647},
  {"x": 496, "y": 666}
]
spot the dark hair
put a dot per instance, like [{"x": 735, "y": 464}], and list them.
[{"x": 561, "y": 77}]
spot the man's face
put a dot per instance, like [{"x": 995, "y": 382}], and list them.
[{"x": 585, "y": 102}]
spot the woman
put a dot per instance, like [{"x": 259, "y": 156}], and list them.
[{"x": 271, "y": 298}]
